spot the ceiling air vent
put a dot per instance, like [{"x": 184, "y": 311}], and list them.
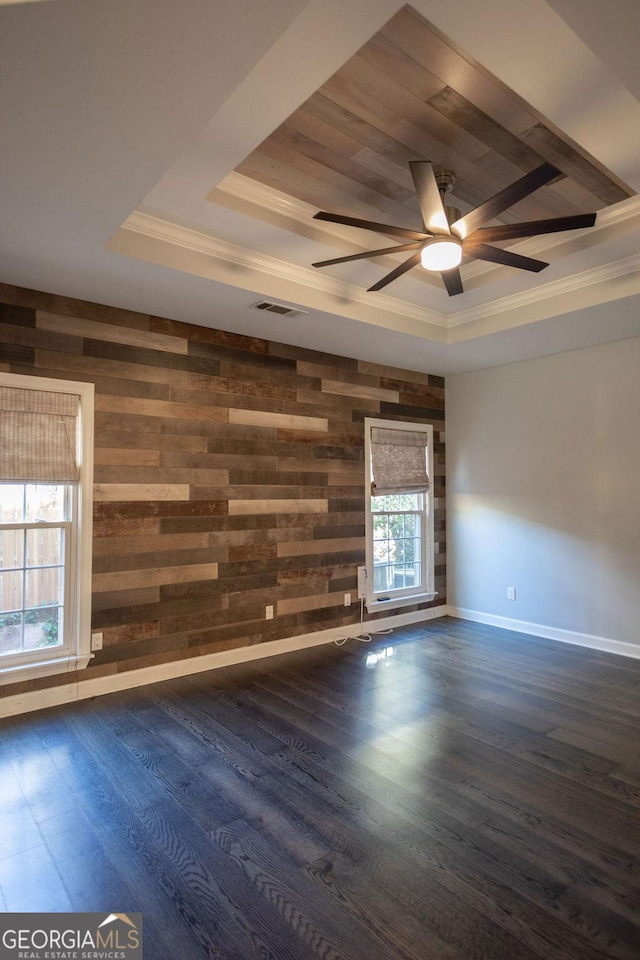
[{"x": 281, "y": 308}]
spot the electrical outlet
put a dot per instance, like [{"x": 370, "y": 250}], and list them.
[
  {"x": 268, "y": 613},
  {"x": 362, "y": 583},
  {"x": 96, "y": 641},
  {"x": 511, "y": 593},
  {"x": 347, "y": 599}
]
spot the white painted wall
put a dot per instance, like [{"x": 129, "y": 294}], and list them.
[{"x": 543, "y": 493}]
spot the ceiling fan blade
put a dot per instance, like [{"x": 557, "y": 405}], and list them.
[
  {"x": 495, "y": 255},
  {"x": 431, "y": 207},
  {"x": 413, "y": 261},
  {"x": 372, "y": 225},
  {"x": 369, "y": 253},
  {"x": 505, "y": 199},
  {"x": 452, "y": 281},
  {"x": 532, "y": 228}
]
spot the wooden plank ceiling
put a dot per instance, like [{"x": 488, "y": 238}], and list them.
[{"x": 408, "y": 94}]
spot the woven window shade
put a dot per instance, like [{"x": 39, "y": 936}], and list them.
[
  {"x": 38, "y": 436},
  {"x": 398, "y": 462}
]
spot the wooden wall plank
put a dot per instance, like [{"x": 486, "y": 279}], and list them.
[
  {"x": 306, "y": 547},
  {"x": 134, "y": 474},
  {"x": 131, "y": 631},
  {"x": 158, "y": 408},
  {"x": 358, "y": 390},
  {"x": 140, "y": 491},
  {"x": 126, "y": 528},
  {"x": 117, "y": 545},
  {"x": 131, "y": 579},
  {"x": 126, "y": 457},
  {"x": 237, "y": 507},
  {"x": 301, "y": 604},
  {"x": 75, "y": 326},
  {"x": 290, "y": 421}
]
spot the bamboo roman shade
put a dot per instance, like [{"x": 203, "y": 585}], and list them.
[
  {"x": 398, "y": 461},
  {"x": 38, "y": 436}
]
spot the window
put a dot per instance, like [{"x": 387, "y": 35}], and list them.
[
  {"x": 399, "y": 515},
  {"x": 46, "y": 442}
]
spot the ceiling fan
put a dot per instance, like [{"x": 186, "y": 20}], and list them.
[{"x": 448, "y": 237}]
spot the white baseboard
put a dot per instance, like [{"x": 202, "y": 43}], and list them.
[
  {"x": 605, "y": 644},
  {"x": 79, "y": 689}
]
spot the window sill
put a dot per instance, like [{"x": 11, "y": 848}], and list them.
[
  {"x": 17, "y": 672},
  {"x": 374, "y": 606}
]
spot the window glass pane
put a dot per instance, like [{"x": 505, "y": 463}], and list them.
[
  {"x": 412, "y": 574},
  {"x": 11, "y": 548},
  {"x": 411, "y": 525},
  {"x": 43, "y": 586},
  {"x": 380, "y": 528},
  {"x": 42, "y": 628},
  {"x": 409, "y": 551},
  {"x": 10, "y": 590},
  {"x": 44, "y": 546},
  {"x": 10, "y": 633},
  {"x": 381, "y": 551},
  {"x": 11, "y": 502},
  {"x": 381, "y": 578},
  {"x": 45, "y": 501},
  {"x": 396, "y": 527},
  {"x": 397, "y": 501}
]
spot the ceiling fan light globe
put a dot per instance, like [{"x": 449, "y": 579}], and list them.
[{"x": 441, "y": 253}]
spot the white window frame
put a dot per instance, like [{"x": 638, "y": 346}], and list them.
[
  {"x": 75, "y": 651},
  {"x": 402, "y": 597}
]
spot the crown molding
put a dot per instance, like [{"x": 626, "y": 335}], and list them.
[
  {"x": 259, "y": 194},
  {"x": 548, "y": 291}
]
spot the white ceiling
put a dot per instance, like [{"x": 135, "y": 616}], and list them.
[{"x": 124, "y": 120}]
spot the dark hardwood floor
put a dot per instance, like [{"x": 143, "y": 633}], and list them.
[{"x": 449, "y": 792}]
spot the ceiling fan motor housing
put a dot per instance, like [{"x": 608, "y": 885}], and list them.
[{"x": 445, "y": 180}]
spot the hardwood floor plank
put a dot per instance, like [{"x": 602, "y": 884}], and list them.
[
  {"x": 18, "y": 828},
  {"x": 92, "y": 881},
  {"x": 298, "y": 902},
  {"x": 175, "y": 776},
  {"x": 238, "y": 797},
  {"x": 31, "y": 883},
  {"x": 225, "y": 918},
  {"x": 406, "y": 935},
  {"x": 205, "y": 719}
]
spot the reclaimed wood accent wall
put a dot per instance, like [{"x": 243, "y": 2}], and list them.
[{"x": 228, "y": 475}]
